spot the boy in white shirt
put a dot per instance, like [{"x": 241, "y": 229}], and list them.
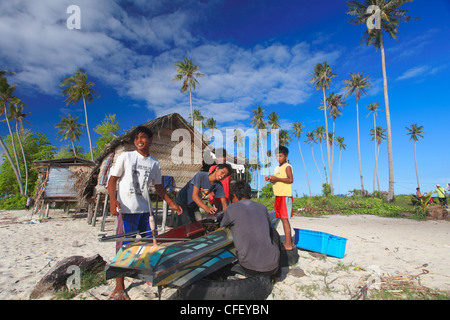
[{"x": 134, "y": 171}]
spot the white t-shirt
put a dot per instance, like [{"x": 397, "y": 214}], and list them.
[{"x": 135, "y": 173}]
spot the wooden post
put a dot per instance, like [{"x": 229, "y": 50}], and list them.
[
  {"x": 105, "y": 213},
  {"x": 47, "y": 210},
  {"x": 94, "y": 213},
  {"x": 164, "y": 217}
]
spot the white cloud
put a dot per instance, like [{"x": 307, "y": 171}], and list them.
[
  {"x": 414, "y": 72},
  {"x": 135, "y": 53}
]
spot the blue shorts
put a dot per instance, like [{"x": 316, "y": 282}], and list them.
[{"x": 129, "y": 222}]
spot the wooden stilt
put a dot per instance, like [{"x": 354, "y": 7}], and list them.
[{"x": 105, "y": 213}]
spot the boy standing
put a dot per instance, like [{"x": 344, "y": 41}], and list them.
[
  {"x": 134, "y": 171},
  {"x": 282, "y": 189}
]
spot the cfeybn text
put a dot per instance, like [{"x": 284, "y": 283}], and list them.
[{"x": 231, "y": 309}]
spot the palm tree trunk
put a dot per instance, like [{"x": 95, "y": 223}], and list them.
[
  {"x": 339, "y": 177},
  {"x": 73, "y": 149},
  {"x": 87, "y": 128},
  {"x": 375, "y": 174},
  {"x": 415, "y": 161},
  {"x": 190, "y": 100},
  {"x": 330, "y": 181},
  {"x": 13, "y": 146},
  {"x": 24, "y": 160},
  {"x": 376, "y": 162},
  {"x": 323, "y": 162},
  {"x": 8, "y": 156},
  {"x": 314, "y": 158},
  {"x": 359, "y": 149},
  {"x": 304, "y": 166},
  {"x": 390, "y": 196}
]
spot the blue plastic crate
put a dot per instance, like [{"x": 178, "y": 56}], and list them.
[{"x": 320, "y": 242}]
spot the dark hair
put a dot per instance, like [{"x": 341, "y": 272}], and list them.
[
  {"x": 224, "y": 165},
  {"x": 221, "y": 152},
  {"x": 241, "y": 189},
  {"x": 282, "y": 150},
  {"x": 140, "y": 129}
]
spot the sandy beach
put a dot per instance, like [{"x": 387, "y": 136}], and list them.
[{"x": 377, "y": 249}]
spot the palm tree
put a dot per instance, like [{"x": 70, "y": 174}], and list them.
[
  {"x": 297, "y": 128},
  {"x": 285, "y": 139},
  {"x": 210, "y": 123},
  {"x": 373, "y": 107},
  {"x": 16, "y": 113},
  {"x": 335, "y": 104},
  {"x": 319, "y": 136},
  {"x": 196, "y": 116},
  {"x": 77, "y": 88},
  {"x": 70, "y": 129},
  {"x": 258, "y": 122},
  {"x": 391, "y": 16},
  {"x": 357, "y": 85},
  {"x": 342, "y": 146},
  {"x": 415, "y": 132},
  {"x": 7, "y": 98},
  {"x": 377, "y": 134},
  {"x": 321, "y": 79},
  {"x": 188, "y": 73},
  {"x": 311, "y": 139}
]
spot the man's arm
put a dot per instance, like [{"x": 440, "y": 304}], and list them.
[
  {"x": 162, "y": 193},
  {"x": 114, "y": 205},
  {"x": 199, "y": 202}
]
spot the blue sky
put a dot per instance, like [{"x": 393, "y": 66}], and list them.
[{"x": 254, "y": 53}]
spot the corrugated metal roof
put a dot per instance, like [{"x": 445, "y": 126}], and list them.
[{"x": 60, "y": 183}]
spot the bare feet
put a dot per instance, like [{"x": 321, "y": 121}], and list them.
[{"x": 120, "y": 294}]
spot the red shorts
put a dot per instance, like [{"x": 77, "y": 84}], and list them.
[{"x": 283, "y": 207}]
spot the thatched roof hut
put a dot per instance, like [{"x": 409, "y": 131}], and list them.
[{"x": 162, "y": 148}]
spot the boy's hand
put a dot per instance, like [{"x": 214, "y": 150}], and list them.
[
  {"x": 211, "y": 210},
  {"x": 114, "y": 207},
  {"x": 175, "y": 207}
]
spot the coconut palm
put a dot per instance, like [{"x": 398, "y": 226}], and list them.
[
  {"x": 188, "y": 73},
  {"x": 378, "y": 134},
  {"x": 210, "y": 124},
  {"x": 342, "y": 146},
  {"x": 335, "y": 105},
  {"x": 297, "y": 128},
  {"x": 258, "y": 122},
  {"x": 319, "y": 136},
  {"x": 70, "y": 129},
  {"x": 311, "y": 139},
  {"x": 415, "y": 132},
  {"x": 7, "y": 99},
  {"x": 391, "y": 15},
  {"x": 373, "y": 107},
  {"x": 285, "y": 139},
  {"x": 16, "y": 113},
  {"x": 77, "y": 88},
  {"x": 357, "y": 85},
  {"x": 321, "y": 79}
]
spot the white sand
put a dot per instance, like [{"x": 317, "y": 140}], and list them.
[{"x": 376, "y": 247}]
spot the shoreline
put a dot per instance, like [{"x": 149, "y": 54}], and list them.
[{"x": 376, "y": 248}]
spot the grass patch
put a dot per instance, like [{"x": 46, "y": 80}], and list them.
[
  {"x": 89, "y": 280},
  {"x": 401, "y": 207}
]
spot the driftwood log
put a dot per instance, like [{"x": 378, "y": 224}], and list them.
[{"x": 56, "y": 278}]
